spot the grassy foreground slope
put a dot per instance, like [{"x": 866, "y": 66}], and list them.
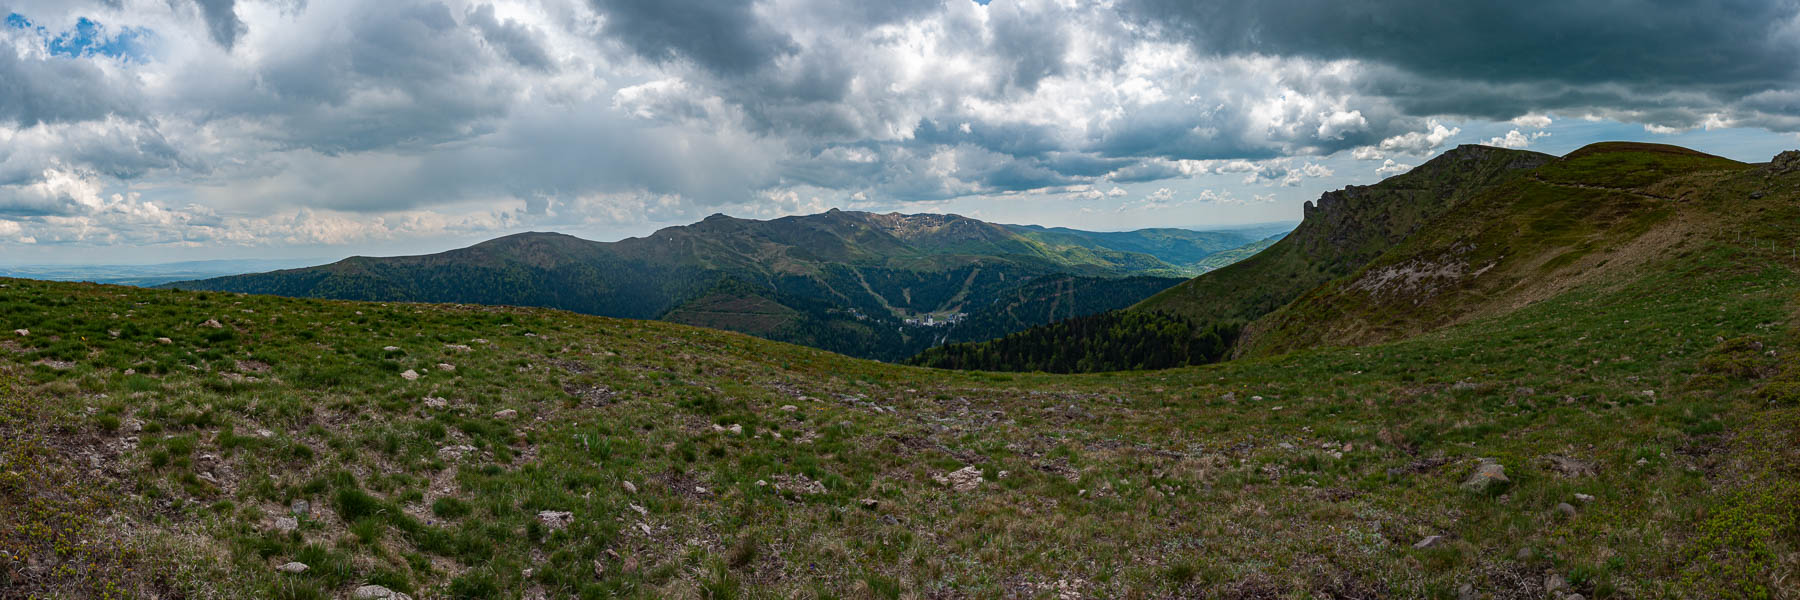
[{"x": 1661, "y": 404}]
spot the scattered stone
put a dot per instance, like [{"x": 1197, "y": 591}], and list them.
[
  {"x": 507, "y": 414},
  {"x": 410, "y": 375},
  {"x": 1467, "y": 592},
  {"x": 556, "y": 519},
  {"x": 1583, "y": 498},
  {"x": 1523, "y": 555},
  {"x": 22, "y": 332},
  {"x": 262, "y": 433},
  {"x": 446, "y": 367},
  {"x": 131, "y": 371},
  {"x": 641, "y": 511},
  {"x": 454, "y": 453},
  {"x": 962, "y": 480},
  {"x": 435, "y": 402},
  {"x": 457, "y": 347},
  {"x": 1565, "y": 510},
  {"x": 164, "y": 341},
  {"x": 1488, "y": 475},
  {"x": 630, "y": 488},
  {"x": 293, "y": 568},
  {"x": 761, "y": 483},
  {"x": 390, "y": 348},
  {"x": 1643, "y": 461},
  {"x": 1757, "y": 195},
  {"x": 799, "y": 484},
  {"x": 212, "y": 324},
  {"x": 1430, "y": 541},
  {"x": 1569, "y": 467},
  {"x": 789, "y": 408},
  {"x": 286, "y": 524},
  {"x": 300, "y": 508},
  {"x": 208, "y": 477},
  {"x": 871, "y": 503},
  {"x": 736, "y": 429}
]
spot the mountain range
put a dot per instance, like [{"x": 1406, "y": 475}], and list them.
[{"x": 882, "y": 286}]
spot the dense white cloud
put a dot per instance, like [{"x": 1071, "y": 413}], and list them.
[
  {"x": 1516, "y": 139},
  {"x": 340, "y": 121}
]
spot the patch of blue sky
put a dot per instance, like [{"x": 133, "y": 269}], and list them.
[{"x": 89, "y": 38}]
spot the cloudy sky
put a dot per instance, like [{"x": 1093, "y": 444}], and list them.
[{"x": 149, "y": 130}]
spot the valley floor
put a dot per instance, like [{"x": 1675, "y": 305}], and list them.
[{"x": 1648, "y": 432}]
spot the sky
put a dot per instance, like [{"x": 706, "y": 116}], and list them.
[{"x": 135, "y": 131}]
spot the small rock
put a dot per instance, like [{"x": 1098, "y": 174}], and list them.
[
  {"x": 641, "y": 511},
  {"x": 507, "y": 414},
  {"x": 1565, "y": 510},
  {"x": 457, "y": 347},
  {"x": 1430, "y": 541},
  {"x": 410, "y": 375},
  {"x": 390, "y": 348},
  {"x": 1554, "y": 583},
  {"x": 286, "y": 524},
  {"x": 131, "y": 371},
  {"x": 164, "y": 341},
  {"x": 1757, "y": 195},
  {"x": 962, "y": 480},
  {"x": 556, "y": 519},
  {"x": 435, "y": 402},
  {"x": 1523, "y": 555},
  {"x": 293, "y": 568},
  {"x": 212, "y": 324},
  {"x": 22, "y": 332},
  {"x": 1467, "y": 592},
  {"x": 1584, "y": 498},
  {"x": 376, "y": 592},
  {"x": 1574, "y": 597},
  {"x": 789, "y": 408},
  {"x": 264, "y": 433},
  {"x": 630, "y": 488},
  {"x": 1487, "y": 476},
  {"x": 871, "y": 503},
  {"x": 446, "y": 367},
  {"x": 761, "y": 483},
  {"x": 736, "y": 429},
  {"x": 300, "y": 508}
]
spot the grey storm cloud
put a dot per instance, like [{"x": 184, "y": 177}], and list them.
[
  {"x": 1500, "y": 59},
  {"x": 723, "y": 36},
  {"x": 518, "y": 42},
  {"x": 222, "y": 21},
  {"x": 56, "y": 89}
]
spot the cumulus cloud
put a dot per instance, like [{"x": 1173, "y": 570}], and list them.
[
  {"x": 356, "y": 119},
  {"x": 1516, "y": 139}
]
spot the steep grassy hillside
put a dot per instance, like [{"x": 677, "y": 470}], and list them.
[
  {"x": 851, "y": 279},
  {"x": 1644, "y": 422},
  {"x": 1602, "y": 214},
  {"x": 1343, "y": 231}
]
